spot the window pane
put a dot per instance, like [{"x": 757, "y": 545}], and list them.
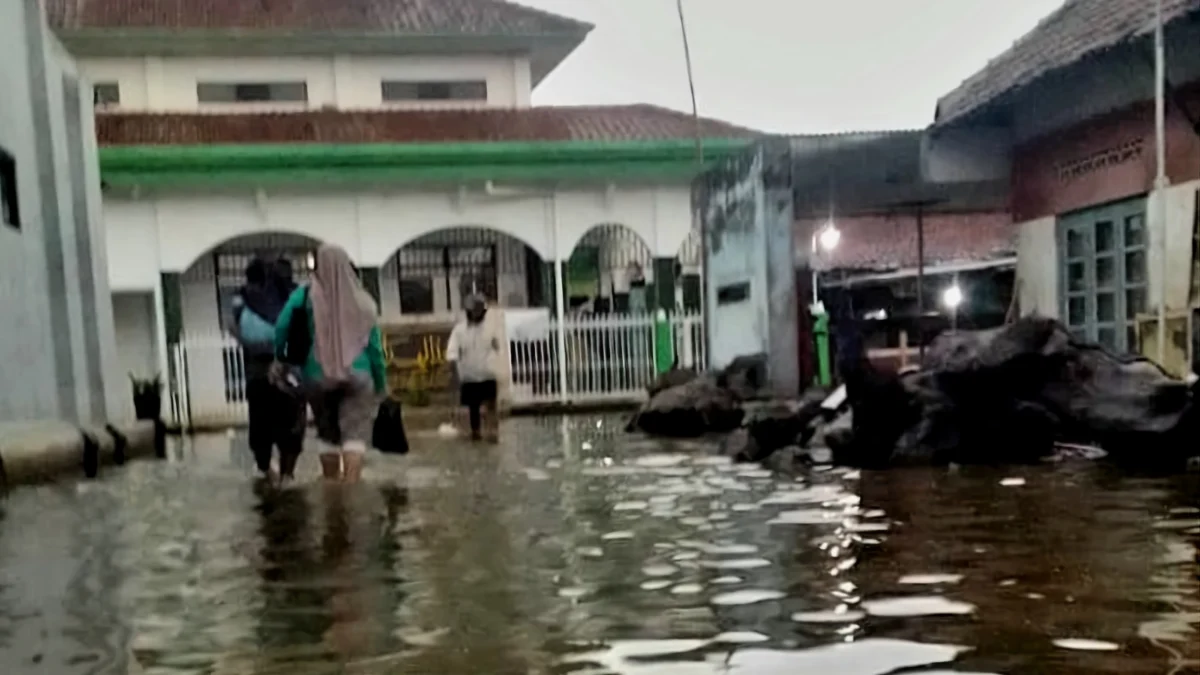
[
  {"x": 106, "y": 94},
  {"x": 1076, "y": 277},
  {"x": 1106, "y": 272},
  {"x": 1131, "y": 340},
  {"x": 1107, "y": 337},
  {"x": 1135, "y": 267},
  {"x": 1075, "y": 244},
  {"x": 1135, "y": 231},
  {"x": 251, "y": 92},
  {"x": 1106, "y": 307},
  {"x": 416, "y": 296},
  {"x": 1076, "y": 311},
  {"x": 1135, "y": 302},
  {"x": 433, "y": 90},
  {"x": 1104, "y": 236}
]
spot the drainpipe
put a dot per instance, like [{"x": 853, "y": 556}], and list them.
[
  {"x": 1160, "y": 177},
  {"x": 560, "y": 303}
]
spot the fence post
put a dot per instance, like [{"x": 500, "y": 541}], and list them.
[
  {"x": 560, "y": 303},
  {"x": 821, "y": 333},
  {"x": 664, "y": 342}
]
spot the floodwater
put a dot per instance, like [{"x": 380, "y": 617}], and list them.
[{"x": 573, "y": 548}]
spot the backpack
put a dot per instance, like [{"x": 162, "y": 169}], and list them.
[{"x": 299, "y": 337}]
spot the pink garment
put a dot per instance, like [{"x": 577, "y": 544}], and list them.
[{"x": 343, "y": 313}]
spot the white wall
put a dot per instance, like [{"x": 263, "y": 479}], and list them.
[
  {"x": 342, "y": 81},
  {"x": 134, "y": 317},
  {"x": 170, "y": 232},
  {"x": 58, "y": 346},
  {"x": 1037, "y": 267}
]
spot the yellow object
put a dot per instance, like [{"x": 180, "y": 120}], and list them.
[{"x": 1178, "y": 356}]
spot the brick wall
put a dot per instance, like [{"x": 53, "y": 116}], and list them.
[{"x": 1104, "y": 159}]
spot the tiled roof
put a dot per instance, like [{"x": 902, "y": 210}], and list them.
[
  {"x": 1078, "y": 29},
  {"x": 421, "y": 17},
  {"x": 596, "y": 123},
  {"x": 884, "y": 243}
]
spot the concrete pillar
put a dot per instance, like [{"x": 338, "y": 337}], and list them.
[
  {"x": 370, "y": 281},
  {"x": 550, "y": 286},
  {"x": 168, "y": 323},
  {"x": 664, "y": 284}
]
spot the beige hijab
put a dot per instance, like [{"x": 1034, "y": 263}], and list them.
[{"x": 343, "y": 313}]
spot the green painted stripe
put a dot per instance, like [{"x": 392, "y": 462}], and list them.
[
  {"x": 599, "y": 172},
  {"x": 144, "y": 157},
  {"x": 168, "y": 165}
]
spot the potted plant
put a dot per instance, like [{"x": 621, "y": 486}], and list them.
[{"x": 147, "y": 397}]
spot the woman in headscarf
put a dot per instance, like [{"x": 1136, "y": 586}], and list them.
[
  {"x": 345, "y": 367},
  {"x": 276, "y": 419}
]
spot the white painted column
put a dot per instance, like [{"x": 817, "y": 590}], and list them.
[
  {"x": 160, "y": 341},
  {"x": 560, "y": 302}
]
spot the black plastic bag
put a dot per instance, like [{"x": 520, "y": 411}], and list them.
[{"x": 388, "y": 436}]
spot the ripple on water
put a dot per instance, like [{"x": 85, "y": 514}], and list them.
[
  {"x": 659, "y": 570},
  {"x": 736, "y": 564},
  {"x": 842, "y": 614},
  {"x": 630, "y": 506},
  {"x": 655, "y": 584},
  {"x": 930, "y": 579},
  {"x": 617, "y": 536},
  {"x": 806, "y": 517},
  {"x": 922, "y": 605},
  {"x": 740, "y": 638},
  {"x": 749, "y": 596},
  {"x": 1083, "y": 645}
]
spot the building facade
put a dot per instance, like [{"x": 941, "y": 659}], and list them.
[
  {"x": 1068, "y": 113},
  {"x": 405, "y": 137},
  {"x": 59, "y": 352}
]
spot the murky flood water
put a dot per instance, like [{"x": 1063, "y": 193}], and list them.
[{"x": 573, "y": 548}]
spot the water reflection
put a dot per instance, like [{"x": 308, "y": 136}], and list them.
[{"x": 574, "y": 548}]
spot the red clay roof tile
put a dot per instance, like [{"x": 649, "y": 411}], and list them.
[
  {"x": 1078, "y": 29},
  {"x": 584, "y": 123},
  {"x": 424, "y": 17}
]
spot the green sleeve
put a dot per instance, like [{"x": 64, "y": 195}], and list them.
[
  {"x": 284, "y": 322},
  {"x": 375, "y": 358}
]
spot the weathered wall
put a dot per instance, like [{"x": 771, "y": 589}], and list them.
[
  {"x": 1037, "y": 267},
  {"x": 746, "y": 207},
  {"x": 1102, "y": 160},
  {"x": 58, "y": 343}
]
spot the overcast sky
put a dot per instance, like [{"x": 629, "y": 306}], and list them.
[{"x": 793, "y": 66}]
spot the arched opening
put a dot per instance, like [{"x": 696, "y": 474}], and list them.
[
  {"x": 608, "y": 272},
  {"x": 431, "y": 275},
  {"x": 207, "y": 370},
  {"x": 207, "y": 287}
]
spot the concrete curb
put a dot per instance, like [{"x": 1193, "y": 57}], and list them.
[{"x": 41, "y": 452}]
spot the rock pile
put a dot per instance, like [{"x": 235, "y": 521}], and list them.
[{"x": 1004, "y": 395}]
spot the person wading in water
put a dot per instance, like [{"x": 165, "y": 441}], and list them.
[
  {"x": 276, "y": 419},
  {"x": 345, "y": 369},
  {"x": 471, "y": 351}
]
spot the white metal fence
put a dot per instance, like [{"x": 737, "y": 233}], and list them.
[{"x": 609, "y": 359}]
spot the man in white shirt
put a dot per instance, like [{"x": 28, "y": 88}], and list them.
[{"x": 471, "y": 353}]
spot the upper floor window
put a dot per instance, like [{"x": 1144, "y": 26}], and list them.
[
  {"x": 252, "y": 92},
  {"x": 456, "y": 90},
  {"x": 106, "y": 95},
  {"x": 10, "y": 214}
]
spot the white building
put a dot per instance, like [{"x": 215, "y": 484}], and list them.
[
  {"x": 402, "y": 131},
  {"x": 58, "y": 359}
]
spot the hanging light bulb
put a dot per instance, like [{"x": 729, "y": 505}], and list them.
[{"x": 829, "y": 237}]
